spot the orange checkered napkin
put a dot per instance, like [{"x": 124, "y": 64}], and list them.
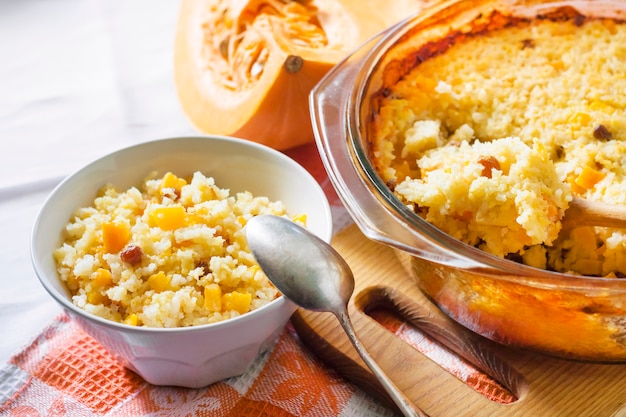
[{"x": 64, "y": 372}]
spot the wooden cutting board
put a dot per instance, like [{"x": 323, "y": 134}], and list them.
[{"x": 445, "y": 369}]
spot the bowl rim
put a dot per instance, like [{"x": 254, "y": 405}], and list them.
[{"x": 265, "y": 309}]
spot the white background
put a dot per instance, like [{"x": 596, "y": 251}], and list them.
[{"x": 78, "y": 79}]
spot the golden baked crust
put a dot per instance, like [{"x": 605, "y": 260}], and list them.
[{"x": 488, "y": 135}]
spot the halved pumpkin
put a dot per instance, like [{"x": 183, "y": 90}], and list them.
[{"x": 246, "y": 68}]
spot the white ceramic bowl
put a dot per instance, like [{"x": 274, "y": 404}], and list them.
[{"x": 192, "y": 356}]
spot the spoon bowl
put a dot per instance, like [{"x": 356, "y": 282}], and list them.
[
  {"x": 293, "y": 258},
  {"x": 310, "y": 273}
]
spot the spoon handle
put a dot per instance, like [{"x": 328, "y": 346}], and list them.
[
  {"x": 405, "y": 405},
  {"x": 582, "y": 212}
]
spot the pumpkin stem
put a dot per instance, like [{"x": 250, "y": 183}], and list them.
[{"x": 293, "y": 63}]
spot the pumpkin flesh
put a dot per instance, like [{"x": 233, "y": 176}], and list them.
[{"x": 246, "y": 68}]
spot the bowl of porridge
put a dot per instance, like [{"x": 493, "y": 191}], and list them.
[{"x": 145, "y": 249}]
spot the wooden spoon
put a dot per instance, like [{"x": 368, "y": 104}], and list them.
[{"x": 582, "y": 212}]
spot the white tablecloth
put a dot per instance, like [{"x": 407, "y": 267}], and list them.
[{"x": 78, "y": 79}]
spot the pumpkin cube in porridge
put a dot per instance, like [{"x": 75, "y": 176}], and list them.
[
  {"x": 169, "y": 217},
  {"x": 213, "y": 297},
  {"x": 114, "y": 236},
  {"x": 237, "y": 301}
]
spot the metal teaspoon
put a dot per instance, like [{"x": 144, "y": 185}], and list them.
[{"x": 309, "y": 272}]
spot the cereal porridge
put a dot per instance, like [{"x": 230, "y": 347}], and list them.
[
  {"x": 490, "y": 140},
  {"x": 172, "y": 254}
]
